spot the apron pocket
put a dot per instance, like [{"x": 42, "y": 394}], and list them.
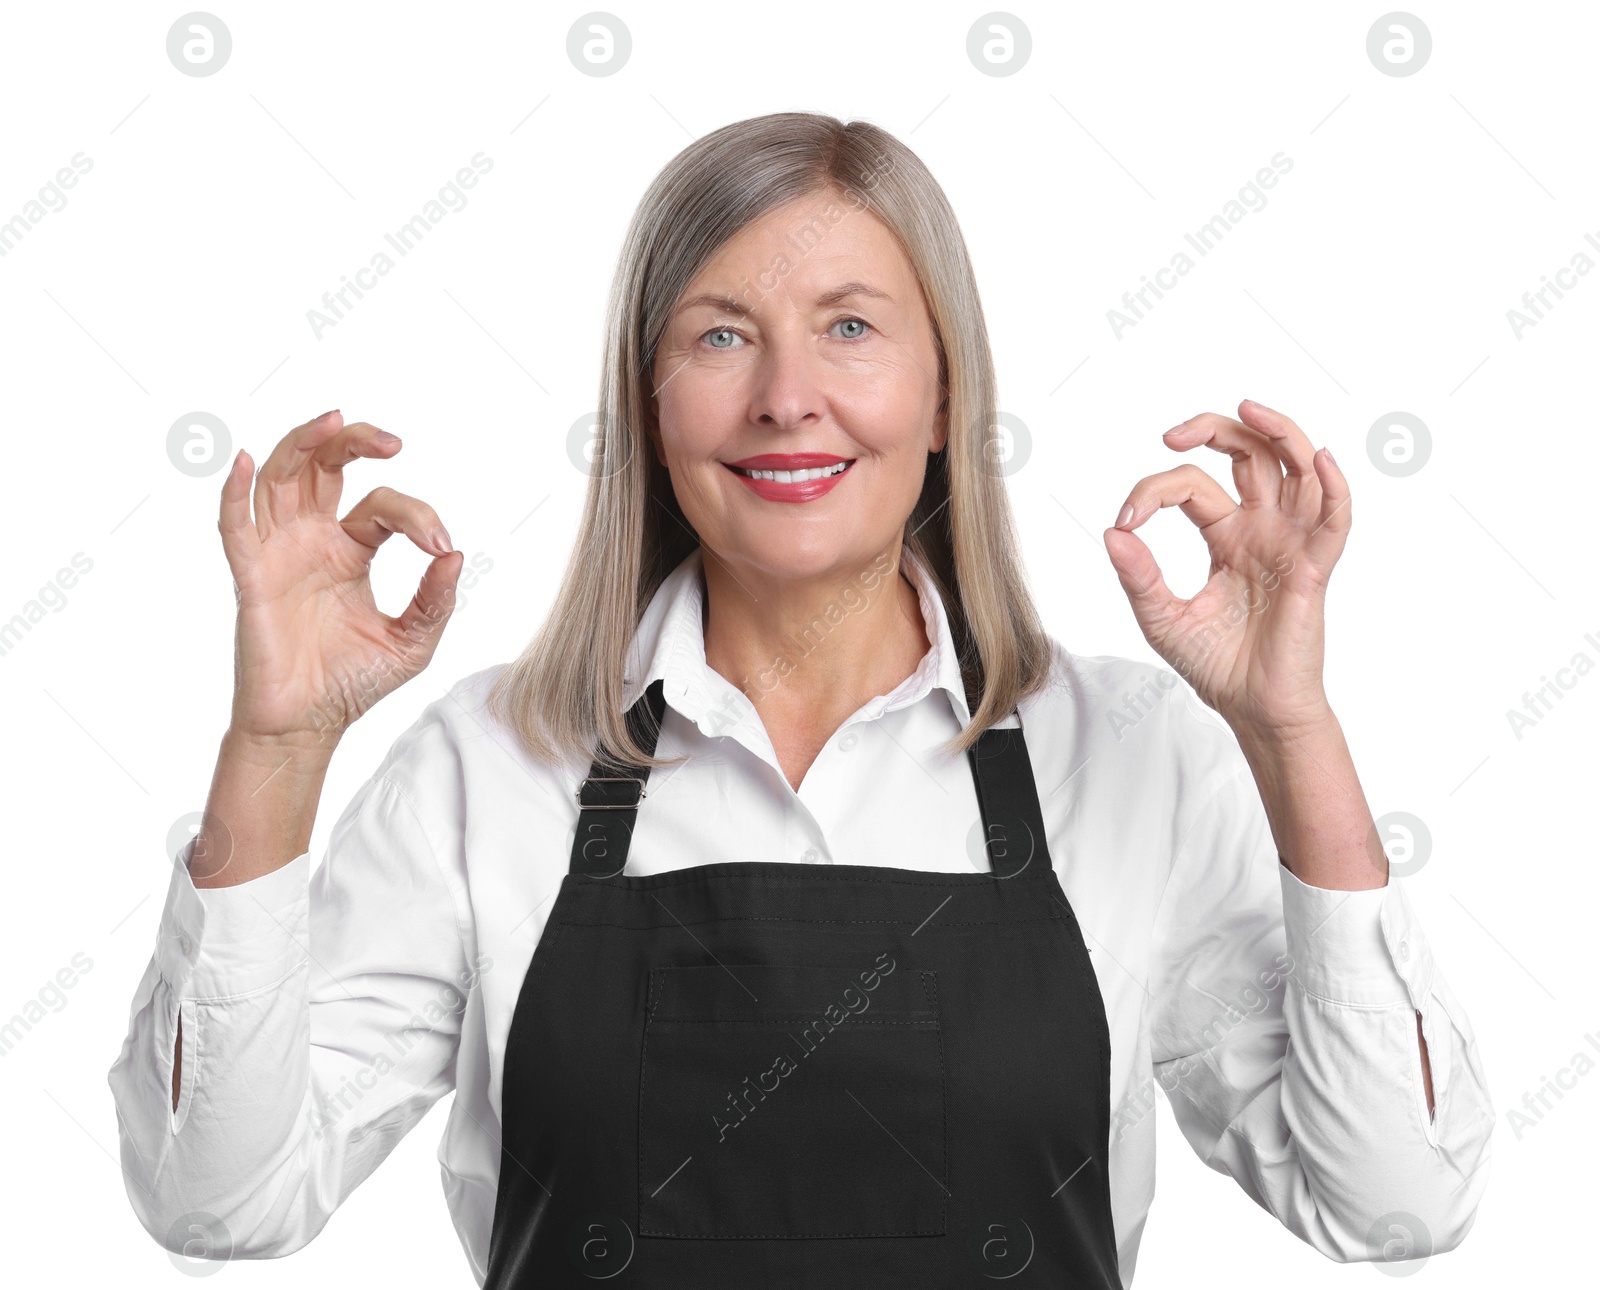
[{"x": 801, "y": 1100}]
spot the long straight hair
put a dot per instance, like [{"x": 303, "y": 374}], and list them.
[{"x": 563, "y": 695}]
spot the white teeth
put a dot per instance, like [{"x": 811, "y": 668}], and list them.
[{"x": 794, "y": 476}]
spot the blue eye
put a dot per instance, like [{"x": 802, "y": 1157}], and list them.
[
  {"x": 721, "y": 331},
  {"x": 847, "y": 322}
]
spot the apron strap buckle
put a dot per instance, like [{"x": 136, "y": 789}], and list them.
[{"x": 612, "y": 796}]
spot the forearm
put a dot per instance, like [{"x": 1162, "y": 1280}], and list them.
[
  {"x": 1315, "y": 805},
  {"x": 260, "y": 810}
]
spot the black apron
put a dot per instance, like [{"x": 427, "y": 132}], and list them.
[{"x": 763, "y": 1073}]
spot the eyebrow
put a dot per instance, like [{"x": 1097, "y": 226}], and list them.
[{"x": 844, "y": 291}]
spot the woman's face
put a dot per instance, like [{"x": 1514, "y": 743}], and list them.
[{"x": 804, "y": 344}]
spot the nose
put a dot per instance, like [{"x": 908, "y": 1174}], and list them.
[{"x": 789, "y": 391}]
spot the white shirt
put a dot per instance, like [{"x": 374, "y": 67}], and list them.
[{"x": 333, "y": 1008}]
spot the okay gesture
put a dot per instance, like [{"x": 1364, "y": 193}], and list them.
[{"x": 1251, "y": 641}]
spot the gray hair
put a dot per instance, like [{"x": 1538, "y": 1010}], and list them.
[{"x": 563, "y": 694}]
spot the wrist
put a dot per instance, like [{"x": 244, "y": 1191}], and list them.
[
  {"x": 297, "y": 755},
  {"x": 1311, "y": 720}
]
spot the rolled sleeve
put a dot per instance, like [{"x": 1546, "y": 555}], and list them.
[
  {"x": 1309, "y": 1091},
  {"x": 1340, "y": 941},
  {"x": 1365, "y": 949},
  {"x": 220, "y": 942},
  {"x": 321, "y": 1015}
]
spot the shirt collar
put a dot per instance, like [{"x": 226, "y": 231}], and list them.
[{"x": 669, "y": 645}]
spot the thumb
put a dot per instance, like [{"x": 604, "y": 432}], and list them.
[
  {"x": 430, "y": 609},
  {"x": 1152, "y": 600}
]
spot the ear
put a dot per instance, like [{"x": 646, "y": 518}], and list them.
[
  {"x": 652, "y": 428},
  {"x": 941, "y": 426}
]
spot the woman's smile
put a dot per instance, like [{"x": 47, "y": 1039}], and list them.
[
  {"x": 822, "y": 386},
  {"x": 791, "y": 476}
]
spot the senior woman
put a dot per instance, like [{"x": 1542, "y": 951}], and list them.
[{"x": 795, "y": 910}]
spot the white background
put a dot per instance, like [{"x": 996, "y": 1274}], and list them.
[{"x": 219, "y": 209}]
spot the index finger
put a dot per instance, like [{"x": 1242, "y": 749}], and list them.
[
  {"x": 291, "y": 453},
  {"x": 304, "y": 469},
  {"x": 1264, "y": 430},
  {"x": 1256, "y": 469}
]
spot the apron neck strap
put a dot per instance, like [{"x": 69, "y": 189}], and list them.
[
  {"x": 609, "y": 797},
  {"x": 1008, "y": 801}
]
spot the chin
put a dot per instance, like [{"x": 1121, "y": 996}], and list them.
[{"x": 780, "y": 555}]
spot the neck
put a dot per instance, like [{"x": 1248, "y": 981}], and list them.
[{"x": 809, "y": 652}]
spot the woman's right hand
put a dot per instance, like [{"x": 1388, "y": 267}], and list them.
[{"x": 312, "y": 651}]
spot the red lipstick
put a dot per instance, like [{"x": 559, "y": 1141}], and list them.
[{"x": 771, "y": 475}]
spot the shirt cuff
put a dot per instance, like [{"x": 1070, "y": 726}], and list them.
[
  {"x": 1356, "y": 947},
  {"x": 220, "y": 942}
]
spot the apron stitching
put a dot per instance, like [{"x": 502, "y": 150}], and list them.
[
  {"x": 931, "y": 992},
  {"x": 834, "y": 876},
  {"x": 644, "y": 1066},
  {"x": 852, "y": 1023},
  {"x": 843, "y": 922}
]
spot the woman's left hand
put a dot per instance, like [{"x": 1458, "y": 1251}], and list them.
[{"x": 1251, "y": 641}]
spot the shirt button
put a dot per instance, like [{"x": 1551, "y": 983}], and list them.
[
  {"x": 1405, "y": 950},
  {"x": 184, "y": 943},
  {"x": 810, "y": 855}
]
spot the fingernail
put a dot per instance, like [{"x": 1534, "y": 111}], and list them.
[
  {"x": 441, "y": 539},
  {"x": 1124, "y": 516},
  {"x": 327, "y": 414},
  {"x": 385, "y": 437},
  {"x": 1329, "y": 456}
]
